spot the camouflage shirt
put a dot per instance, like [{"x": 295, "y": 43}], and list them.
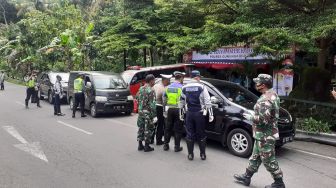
[
  {"x": 146, "y": 101},
  {"x": 265, "y": 119}
]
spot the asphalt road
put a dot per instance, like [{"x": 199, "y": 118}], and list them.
[{"x": 40, "y": 150}]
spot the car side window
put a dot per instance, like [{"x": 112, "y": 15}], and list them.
[{"x": 243, "y": 99}]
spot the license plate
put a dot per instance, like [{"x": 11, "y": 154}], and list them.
[
  {"x": 118, "y": 107},
  {"x": 287, "y": 139}
]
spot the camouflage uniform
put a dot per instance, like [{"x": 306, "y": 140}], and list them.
[
  {"x": 147, "y": 112},
  {"x": 265, "y": 132}
]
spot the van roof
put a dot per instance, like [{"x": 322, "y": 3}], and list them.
[
  {"x": 161, "y": 67},
  {"x": 95, "y": 73}
]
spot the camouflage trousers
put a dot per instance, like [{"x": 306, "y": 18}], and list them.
[
  {"x": 146, "y": 128},
  {"x": 264, "y": 152}
]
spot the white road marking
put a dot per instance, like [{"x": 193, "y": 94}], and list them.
[
  {"x": 33, "y": 148},
  {"x": 12, "y": 131},
  {"x": 20, "y": 103},
  {"x": 314, "y": 154},
  {"x": 120, "y": 122},
  {"x": 76, "y": 128}
]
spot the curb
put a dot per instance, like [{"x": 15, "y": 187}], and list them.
[{"x": 321, "y": 138}]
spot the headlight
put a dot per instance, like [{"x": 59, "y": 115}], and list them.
[
  {"x": 101, "y": 99},
  {"x": 130, "y": 98}
]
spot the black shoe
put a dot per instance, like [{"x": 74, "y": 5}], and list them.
[
  {"x": 83, "y": 115},
  {"x": 190, "y": 146},
  {"x": 73, "y": 116},
  {"x": 191, "y": 156},
  {"x": 202, "y": 145},
  {"x": 147, "y": 148},
  {"x": 61, "y": 114},
  {"x": 39, "y": 106},
  {"x": 178, "y": 148},
  {"x": 159, "y": 142},
  {"x": 55, "y": 114},
  {"x": 141, "y": 146},
  {"x": 278, "y": 183},
  {"x": 245, "y": 178},
  {"x": 166, "y": 147}
]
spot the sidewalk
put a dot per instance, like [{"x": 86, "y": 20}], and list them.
[{"x": 321, "y": 138}]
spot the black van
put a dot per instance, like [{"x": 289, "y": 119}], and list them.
[
  {"x": 229, "y": 127},
  {"x": 106, "y": 92}
]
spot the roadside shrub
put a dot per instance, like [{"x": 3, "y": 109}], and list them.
[{"x": 312, "y": 125}]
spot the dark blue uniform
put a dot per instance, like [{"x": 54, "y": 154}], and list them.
[{"x": 195, "y": 99}]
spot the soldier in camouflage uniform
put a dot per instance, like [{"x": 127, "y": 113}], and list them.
[
  {"x": 147, "y": 113},
  {"x": 265, "y": 133}
]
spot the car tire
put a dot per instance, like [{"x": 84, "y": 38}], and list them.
[
  {"x": 71, "y": 103},
  {"x": 240, "y": 142},
  {"x": 50, "y": 97},
  {"x": 93, "y": 110}
]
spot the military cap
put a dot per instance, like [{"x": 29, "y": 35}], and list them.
[
  {"x": 263, "y": 79},
  {"x": 195, "y": 73}
]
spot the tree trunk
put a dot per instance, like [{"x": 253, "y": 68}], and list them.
[
  {"x": 145, "y": 57},
  {"x": 323, "y": 53},
  {"x": 125, "y": 59},
  {"x": 151, "y": 57}
]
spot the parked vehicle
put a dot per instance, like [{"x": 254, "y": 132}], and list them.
[
  {"x": 46, "y": 81},
  {"x": 229, "y": 127},
  {"x": 135, "y": 77},
  {"x": 105, "y": 92}
]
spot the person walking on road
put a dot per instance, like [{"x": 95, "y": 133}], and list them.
[
  {"x": 79, "y": 89},
  {"x": 32, "y": 90},
  {"x": 147, "y": 113},
  {"x": 2, "y": 80},
  {"x": 265, "y": 132},
  {"x": 159, "y": 89},
  {"x": 195, "y": 102},
  {"x": 171, "y": 100},
  {"x": 58, "y": 89}
]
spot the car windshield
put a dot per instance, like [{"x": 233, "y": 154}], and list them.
[
  {"x": 109, "y": 82},
  {"x": 64, "y": 76}
]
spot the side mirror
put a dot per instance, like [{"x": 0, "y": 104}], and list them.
[
  {"x": 88, "y": 85},
  {"x": 214, "y": 100}
]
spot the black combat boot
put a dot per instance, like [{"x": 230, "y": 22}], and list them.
[
  {"x": 147, "y": 148},
  {"x": 190, "y": 146},
  {"x": 244, "y": 179},
  {"x": 159, "y": 142},
  {"x": 177, "y": 147},
  {"x": 278, "y": 183},
  {"x": 202, "y": 145},
  {"x": 141, "y": 146}
]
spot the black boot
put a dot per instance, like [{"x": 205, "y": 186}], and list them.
[
  {"x": 202, "y": 145},
  {"x": 166, "y": 141},
  {"x": 190, "y": 146},
  {"x": 166, "y": 147},
  {"x": 26, "y": 102},
  {"x": 141, "y": 146},
  {"x": 159, "y": 142},
  {"x": 278, "y": 183},
  {"x": 244, "y": 179},
  {"x": 147, "y": 148},
  {"x": 177, "y": 147}
]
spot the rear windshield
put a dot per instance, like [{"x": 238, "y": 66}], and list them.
[{"x": 109, "y": 82}]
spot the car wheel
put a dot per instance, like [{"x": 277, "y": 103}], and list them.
[
  {"x": 93, "y": 110},
  {"x": 240, "y": 142},
  {"x": 50, "y": 97},
  {"x": 71, "y": 104}
]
